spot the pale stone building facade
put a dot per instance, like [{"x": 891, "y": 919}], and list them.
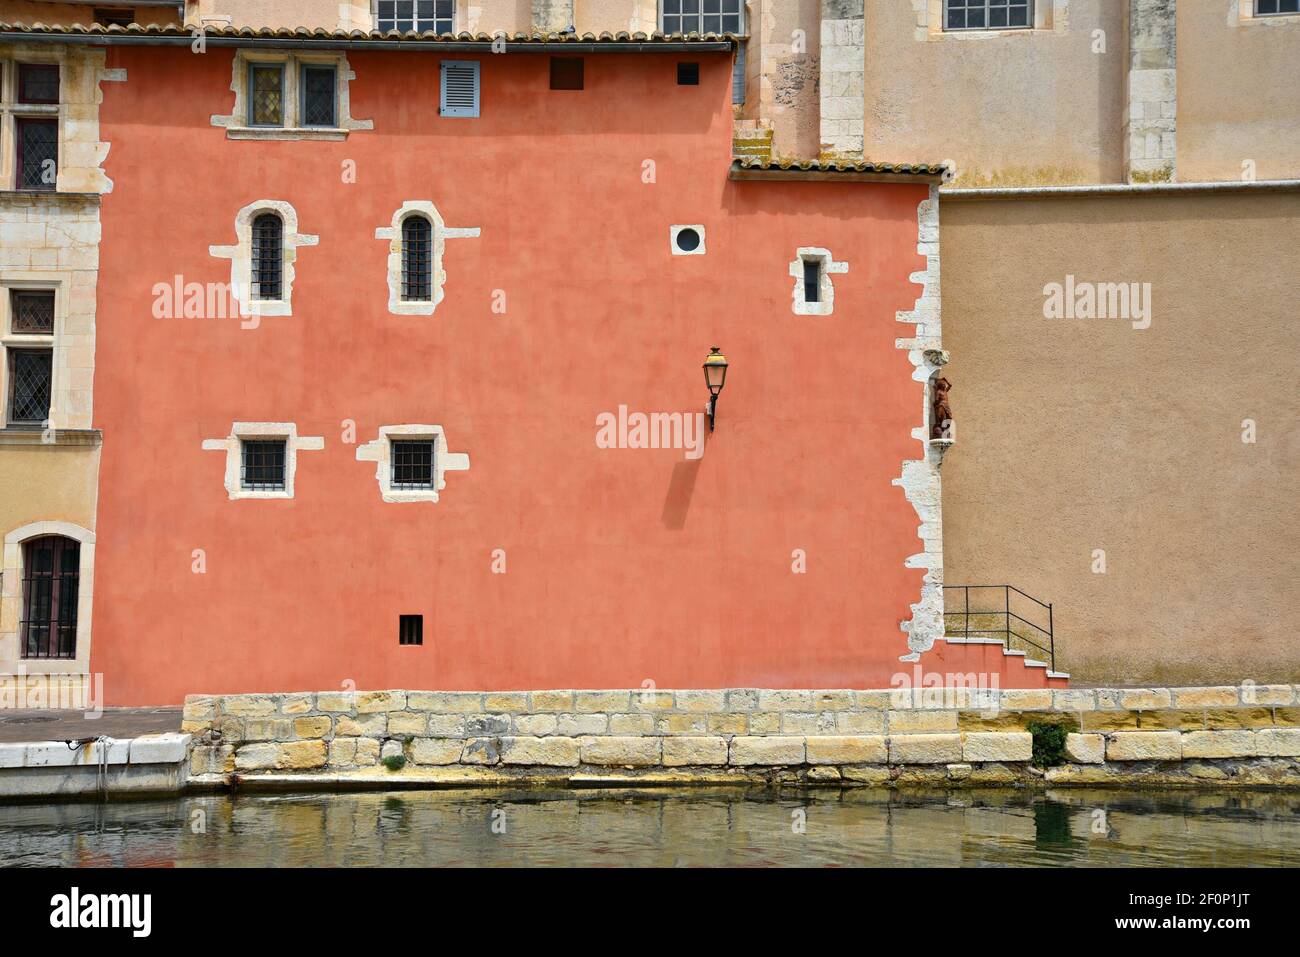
[{"x": 49, "y": 265}]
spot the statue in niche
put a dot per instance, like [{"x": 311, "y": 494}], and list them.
[{"x": 941, "y": 426}]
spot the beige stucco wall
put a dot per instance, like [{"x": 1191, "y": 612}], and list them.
[
  {"x": 47, "y": 482},
  {"x": 1075, "y": 435},
  {"x": 782, "y": 74},
  {"x": 330, "y": 14},
  {"x": 1033, "y": 107},
  {"x": 63, "y": 14},
  {"x": 1237, "y": 98},
  {"x": 56, "y": 483}
]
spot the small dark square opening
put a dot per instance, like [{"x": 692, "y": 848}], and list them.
[
  {"x": 567, "y": 72},
  {"x": 688, "y": 74},
  {"x": 109, "y": 16},
  {"x": 410, "y": 630}
]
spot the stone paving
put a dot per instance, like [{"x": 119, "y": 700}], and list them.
[{"x": 45, "y": 725}]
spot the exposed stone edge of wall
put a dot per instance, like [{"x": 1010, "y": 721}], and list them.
[{"x": 920, "y": 477}]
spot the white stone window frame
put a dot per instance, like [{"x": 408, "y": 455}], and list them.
[
  {"x": 828, "y": 265},
  {"x": 1249, "y": 12},
  {"x": 1047, "y": 15},
  {"x": 458, "y": 20},
  {"x": 699, "y": 15},
  {"x": 11, "y": 110},
  {"x": 675, "y": 231},
  {"x": 233, "y": 444},
  {"x": 11, "y": 599},
  {"x": 236, "y": 122},
  {"x": 60, "y": 413},
  {"x": 241, "y": 258},
  {"x": 380, "y": 451},
  {"x": 81, "y": 154},
  {"x": 439, "y": 233}
]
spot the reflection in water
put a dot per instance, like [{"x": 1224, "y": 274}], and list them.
[{"x": 658, "y": 828}]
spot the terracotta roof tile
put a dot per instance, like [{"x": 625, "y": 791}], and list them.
[
  {"x": 817, "y": 166},
  {"x": 320, "y": 33}
]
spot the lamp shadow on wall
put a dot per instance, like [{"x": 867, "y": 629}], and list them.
[{"x": 680, "y": 489}]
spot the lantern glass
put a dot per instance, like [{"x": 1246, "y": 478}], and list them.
[{"x": 715, "y": 371}]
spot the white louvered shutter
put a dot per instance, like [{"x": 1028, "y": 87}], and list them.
[{"x": 459, "y": 88}]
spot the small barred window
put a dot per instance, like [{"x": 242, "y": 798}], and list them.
[
  {"x": 268, "y": 257},
  {"x": 417, "y": 259},
  {"x": 412, "y": 464},
  {"x": 262, "y": 465}
]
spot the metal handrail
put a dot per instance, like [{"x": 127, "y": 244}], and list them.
[{"x": 1007, "y": 615}]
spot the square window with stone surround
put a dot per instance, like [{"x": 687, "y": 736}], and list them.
[
  {"x": 262, "y": 458},
  {"x": 411, "y": 462},
  {"x": 290, "y": 95},
  {"x": 262, "y": 464},
  {"x": 52, "y": 391},
  {"x": 988, "y": 14},
  {"x": 422, "y": 16}
]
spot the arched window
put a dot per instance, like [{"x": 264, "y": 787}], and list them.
[
  {"x": 417, "y": 259},
  {"x": 51, "y": 569},
  {"x": 268, "y": 257}
]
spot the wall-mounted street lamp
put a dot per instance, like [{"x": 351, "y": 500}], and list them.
[{"x": 715, "y": 375}]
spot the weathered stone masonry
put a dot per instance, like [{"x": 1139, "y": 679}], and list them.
[{"x": 1245, "y": 736}]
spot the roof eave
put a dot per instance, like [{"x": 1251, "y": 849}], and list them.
[
  {"x": 794, "y": 173},
  {"x": 356, "y": 41}
]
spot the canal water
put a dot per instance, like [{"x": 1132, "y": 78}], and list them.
[{"x": 854, "y": 828}]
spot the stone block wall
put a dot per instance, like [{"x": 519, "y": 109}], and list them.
[
  {"x": 1240, "y": 735},
  {"x": 1150, "y": 119}
]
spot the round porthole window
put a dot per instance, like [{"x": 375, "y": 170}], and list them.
[{"x": 688, "y": 240}]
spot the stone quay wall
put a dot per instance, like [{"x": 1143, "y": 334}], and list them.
[{"x": 1245, "y": 735}]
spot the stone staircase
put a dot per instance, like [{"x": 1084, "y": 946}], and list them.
[{"x": 989, "y": 656}]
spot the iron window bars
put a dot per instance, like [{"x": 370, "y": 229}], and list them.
[
  {"x": 51, "y": 573},
  {"x": 30, "y": 374},
  {"x": 268, "y": 257},
  {"x": 702, "y": 16},
  {"x": 417, "y": 259},
  {"x": 318, "y": 97},
  {"x": 410, "y": 629},
  {"x": 38, "y": 152},
  {"x": 412, "y": 464},
  {"x": 266, "y": 94},
  {"x": 261, "y": 466},
  {"x": 31, "y": 312},
  {"x": 988, "y": 14},
  {"x": 419, "y": 15}
]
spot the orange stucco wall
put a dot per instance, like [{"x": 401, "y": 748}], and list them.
[{"x": 623, "y": 566}]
